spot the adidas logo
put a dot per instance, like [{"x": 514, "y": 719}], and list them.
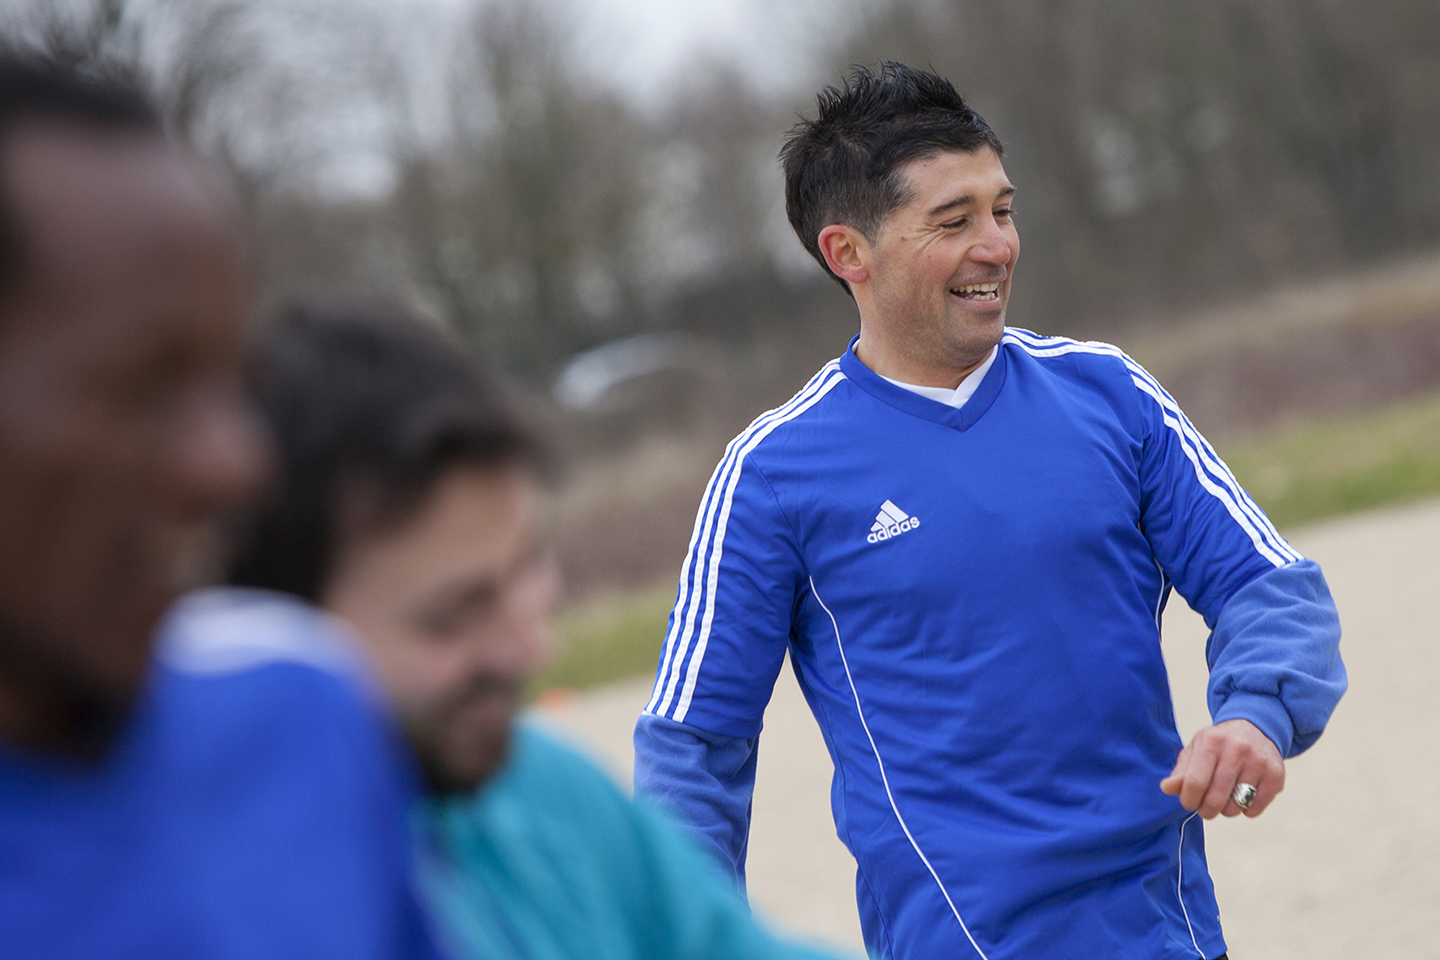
[{"x": 891, "y": 521}]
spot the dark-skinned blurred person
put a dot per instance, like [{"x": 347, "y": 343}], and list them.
[
  {"x": 413, "y": 511},
  {"x": 208, "y": 782}
]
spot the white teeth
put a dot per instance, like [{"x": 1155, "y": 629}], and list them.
[{"x": 985, "y": 291}]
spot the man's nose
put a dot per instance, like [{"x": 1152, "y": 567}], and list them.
[
  {"x": 992, "y": 246},
  {"x": 529, "y": 609},
  {"x": 220, "y": 453}
]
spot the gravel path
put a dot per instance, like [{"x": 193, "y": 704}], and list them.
[{"x": 1345, "y": 864}]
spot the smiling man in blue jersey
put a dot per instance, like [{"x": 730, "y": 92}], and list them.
[{"x": 964, "y": 535}]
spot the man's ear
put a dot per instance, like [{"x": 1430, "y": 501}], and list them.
[{"x": 846, "y": 252}]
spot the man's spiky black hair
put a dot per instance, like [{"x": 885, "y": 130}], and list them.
[{"x": 843, "y": 166}]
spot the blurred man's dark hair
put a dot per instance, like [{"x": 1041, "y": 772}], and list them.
[
  {"x": 843, "y": 166},
  {"x": 36, "y": 90},
  {"x": 369, "y": 406},
  {"x": 411, "y": 512}
]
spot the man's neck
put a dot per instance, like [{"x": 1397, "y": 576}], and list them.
[{"x": 897, "y": 365}]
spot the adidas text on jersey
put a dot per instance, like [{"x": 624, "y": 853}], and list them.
[{"x": 891, "y": 521}]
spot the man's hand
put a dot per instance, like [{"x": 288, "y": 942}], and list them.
[{"x": 1219, "y": 757}]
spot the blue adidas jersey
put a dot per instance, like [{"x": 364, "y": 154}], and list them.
[
  {"x": 253, "y": 807},
  {"x": 971, "y": 599}
]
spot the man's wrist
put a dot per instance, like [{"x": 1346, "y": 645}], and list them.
[{"x": 1266, "y": 712}]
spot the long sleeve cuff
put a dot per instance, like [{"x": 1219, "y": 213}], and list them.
[
  {"x": 706, "y": 779},
  {"x": 1267, "y": 713},
  {"x": 1275, "y": 656}
]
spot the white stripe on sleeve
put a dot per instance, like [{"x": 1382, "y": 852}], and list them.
[
  {"x": 1210, "y": 470},
  {"x": 712, "y": 582},
  {"x": 682, "y": 626}
]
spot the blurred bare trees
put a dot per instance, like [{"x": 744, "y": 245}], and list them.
[
  {"x": 523, "y": 222},
  {"x": 469, "y": 162},
  {"x": 467, "y": 158},
  {"x": 211, "y": 64}
]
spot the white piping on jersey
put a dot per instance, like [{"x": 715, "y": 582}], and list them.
[
  {"x": 1057, "y": 346},
  {"x": 1160, "y": 597},
  {"x": 683, "y": 623},
  {"x": 1242, "y": 509},
  {"x": 1236, "y": 512},
  {"x": 682, "y": 618},
  {"x": 1179, "y": 879},
  {"x": 712, "y": 583},
  {"x": 1036, "y": 346},
  {"x": 885, "y": 780},
  {"x": 1180, "y": 857},
  {"x": 726, "y": 474},
  {"x": 1212, "y": 460}
]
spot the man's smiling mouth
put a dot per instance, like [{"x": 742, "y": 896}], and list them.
[{"x": 977, "y": 291}]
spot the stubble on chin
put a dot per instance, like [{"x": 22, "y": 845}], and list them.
[
  {"x": 454, "y": 764},
  {"x": 969, "y": 342}
]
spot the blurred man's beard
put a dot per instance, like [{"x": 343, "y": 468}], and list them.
[
  {"x": 453, "y": 762},
  {"x": 443, "y": 777}
]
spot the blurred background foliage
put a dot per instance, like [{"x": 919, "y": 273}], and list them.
[{"x": 1243, "y": 193}]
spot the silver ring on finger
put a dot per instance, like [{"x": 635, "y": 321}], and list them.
[{"x": 1243, "y": 795}]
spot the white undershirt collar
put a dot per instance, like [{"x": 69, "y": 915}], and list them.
[{"x": 955, "y": 398}]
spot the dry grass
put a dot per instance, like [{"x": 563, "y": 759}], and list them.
[
  {"x": 610, "y": 637},
  {"x": 1302, "y": 353},
  {"x": 1322, "y": 469},
  {"x": 1385, "y": 296}
]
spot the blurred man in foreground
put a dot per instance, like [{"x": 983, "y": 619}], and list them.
[
  {"x": 411, "y": 510},
  {"x": 236, "y": 796}
]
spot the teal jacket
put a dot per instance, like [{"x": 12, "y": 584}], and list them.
[{"x": 550, "y": 861}]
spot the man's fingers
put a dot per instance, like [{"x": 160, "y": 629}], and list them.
[
  {"x": 1198, "y": 773},
  {"x": 1269, "y": 780},
  {"x": 1217, "y": 760},
  {"x": 1173, "y": 783},
  {"x": 1222, "y": 783}
]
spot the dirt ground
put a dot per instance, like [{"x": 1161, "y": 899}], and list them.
[{"x": 1345, "y": 864}]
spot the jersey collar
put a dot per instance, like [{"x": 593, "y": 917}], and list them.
[{"x": 916, "y": 405}]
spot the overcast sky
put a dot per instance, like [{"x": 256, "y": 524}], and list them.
[
  {"x": 647, "y": 43},
  {"x": 644, "y": 45}
]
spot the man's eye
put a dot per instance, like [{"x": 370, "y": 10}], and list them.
[
  {"x": 1004, "y": 214},
  {"x": 437, "y": 624},
  {"x": 459, "y": 614},
  {"x": 956, "y": 224}
]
